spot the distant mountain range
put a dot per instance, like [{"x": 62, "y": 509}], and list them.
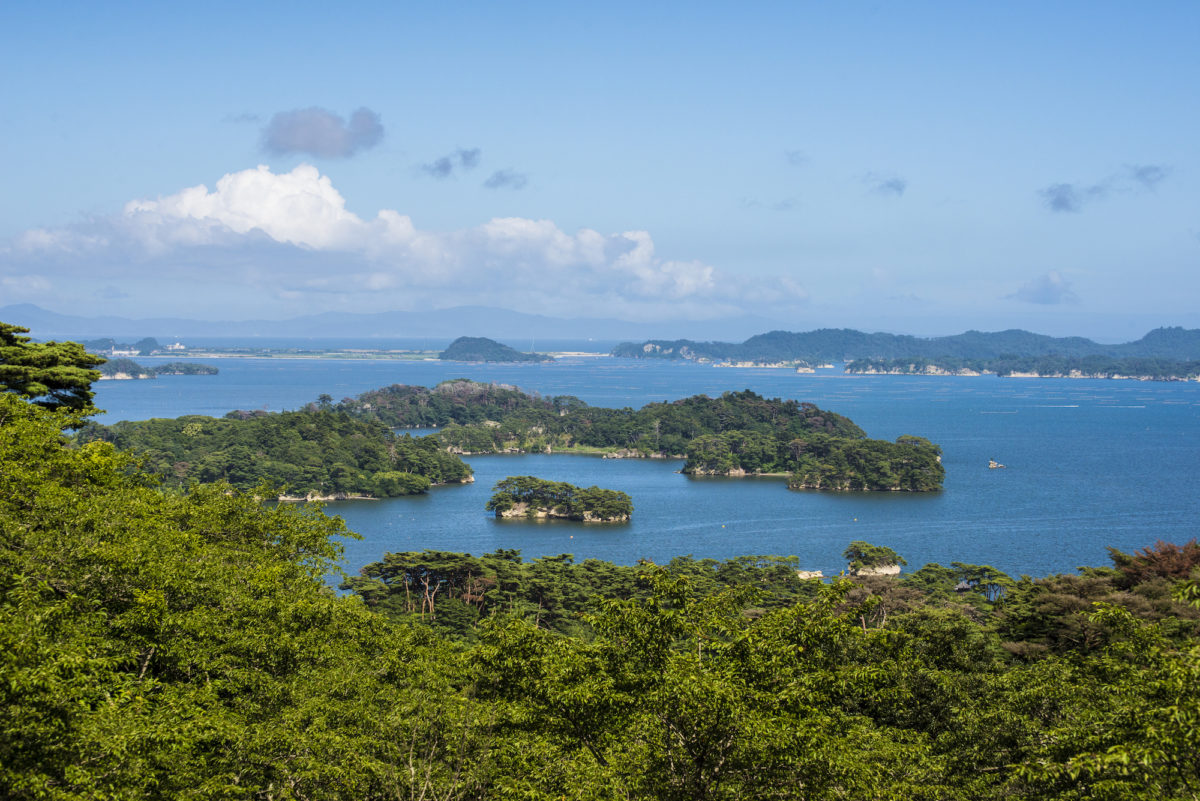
[
  {"x": 822, "y": 345},
  {"x": 440, "y": 323},
  {"x": 844, "y": 344}
]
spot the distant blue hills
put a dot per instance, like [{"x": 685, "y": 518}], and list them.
[
  {"x": 844, "y": 344},
  {"x": 821, "y": 345}
]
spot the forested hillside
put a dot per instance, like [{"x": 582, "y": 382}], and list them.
[
  {"x": 315, "y": 451},
  {"x": 184, "y": 643},
  {"x": 160, "y": 644}
]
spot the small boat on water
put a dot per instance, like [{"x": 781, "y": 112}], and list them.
[{"x": 993, "y": 464}]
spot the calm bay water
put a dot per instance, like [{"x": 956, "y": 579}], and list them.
[{"x": 1091, "y": 463}]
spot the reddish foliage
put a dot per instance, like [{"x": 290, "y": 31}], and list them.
[{"x": 1163, "y": 560}]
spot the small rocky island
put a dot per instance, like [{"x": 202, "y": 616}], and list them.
[
  {"x": 122, "y": 368},
  {"x": 482, "y": 349},
  {"x": 533, "y": 498}
]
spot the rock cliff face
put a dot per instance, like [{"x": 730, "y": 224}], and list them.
[
  {"x": 629, "y": 453},
  {"x": 733, "y": 472},
  {"x": 523, "y": 510},
  {"x": 881, "y": 570}
]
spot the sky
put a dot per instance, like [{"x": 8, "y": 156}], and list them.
[{"x": 918, "y": 167}]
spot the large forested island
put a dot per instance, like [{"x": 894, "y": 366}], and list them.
[
  {"x": 737, "y": 434},
  {"x": 316, "y": 452},
  {"x": 349, "y": 450},
  {"x": 158, "y": 642},
  {"x": 532, "y": 497},
  {"x": 482, "y": 349},
  {"x": 842, "y": 344}
]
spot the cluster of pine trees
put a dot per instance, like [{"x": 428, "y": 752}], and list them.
[
  {"x": 185, "y": 644},
  {"x": 738, "y": 432},
  {"x": 316, "y": 451},
  {"x": 559, "y": 499}
]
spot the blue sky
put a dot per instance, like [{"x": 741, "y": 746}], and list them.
[{"x": 917, "y": 167}]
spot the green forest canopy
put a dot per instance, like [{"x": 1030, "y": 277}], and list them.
[
  {"x": 736, "y": 433},
  {"x": 51, "y": 374},
  {"x": 162, "y": 644},
  {"x": 314, "y": 451}
]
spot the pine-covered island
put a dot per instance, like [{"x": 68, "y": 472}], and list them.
[
  {"x": 535, "y": 498},
  {"x": 349, "y": 450},
  {"x": 736, "y": 434}
]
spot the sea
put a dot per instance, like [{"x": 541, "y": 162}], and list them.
[{"x": 1089, "y": 464}]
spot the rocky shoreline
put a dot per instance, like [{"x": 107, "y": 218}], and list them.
[{"x": 525, "y": 512}]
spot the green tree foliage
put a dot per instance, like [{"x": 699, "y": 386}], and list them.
[
  {"x": 51, "y": 374},
  {"x": 312, "y": 451},
  {"x": 186, "y": 644},
  {"x": 680, "y": 697},
  {"x": 737, "y": 433},
  {"x": 160, "y": 645},
  {"x": 128, "y": 367},
  {"x": 558, "y": 499}
]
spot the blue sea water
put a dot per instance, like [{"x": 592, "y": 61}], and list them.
[{"x": 1090, "y": 464}]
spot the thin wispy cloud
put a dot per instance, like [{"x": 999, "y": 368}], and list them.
[
  {"x": 321, "y": 133},
  {"x": 1050, "y": 289},
  {"x": 506, "y": 179},
  {"x": 887, "y": 185},
  {"x": 460, "y": 160},
  {"x": 111, "y": 292},
  {"x": 796, "y": 158},
  {"x": 1062, "y": 198},
  {"x": 786, "y": 204},
  {"x": 1149, "y": 176},
  {"x": 1073, "y": 197}
]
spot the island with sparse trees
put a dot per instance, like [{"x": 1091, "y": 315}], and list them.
[
  {"x": 126, "y": 368},
  {"x": 535, "y": 498},
  {"x": 482, "y": 349}
]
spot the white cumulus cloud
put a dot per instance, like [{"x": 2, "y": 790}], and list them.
[{"x": 291, "y": 236}]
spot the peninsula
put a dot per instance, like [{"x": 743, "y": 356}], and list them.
[
  {"x": 315, "y": 453},
  {"x": 813, "y": 348}
]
